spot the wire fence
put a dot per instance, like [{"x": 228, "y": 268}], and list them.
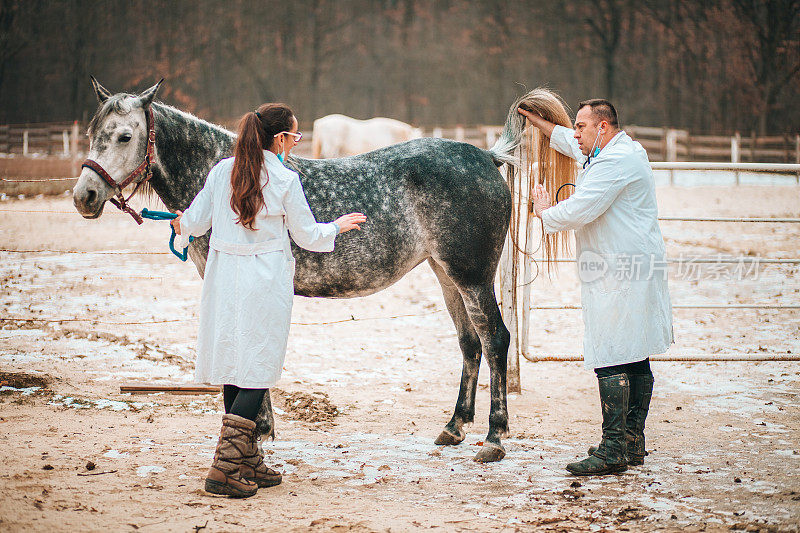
[
  {"x": 530, "y": 357},
  {"x": 712, "y": 306},
  {"x": 34, "y": 180},
  {"x": 698, "y": 357},
  {"x": 168, "y": 320}
]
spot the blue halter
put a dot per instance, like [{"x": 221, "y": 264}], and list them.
[{"x": 163, "y": 215}]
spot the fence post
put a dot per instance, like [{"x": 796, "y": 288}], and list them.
[
  {"x": 509, "y": 314},
  {"x": 459, "y": 134},
  {"x": 672, "y": 151},
  {"x": 527, "y": 269},
  {"x": 65, "y": 140},
  {"x": 797, "y": 154},
  {"x": 73, "y": 148},
  {"x": 25, "y": 142},
  {"x": 489, "y": 138},
  {"x": 735, "y": 143},
  {"x": 437, "y": 132}
]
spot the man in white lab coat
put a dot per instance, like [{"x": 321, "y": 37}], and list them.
[{"x": 627, "y": 312}]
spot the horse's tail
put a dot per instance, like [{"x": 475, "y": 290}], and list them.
[
  {"x": 547, "y": 104},
  {"x": 536, "y": 163},
  {"x": 541, "y": 163}
]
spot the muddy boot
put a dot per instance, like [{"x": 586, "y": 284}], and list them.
[
  {"x": 610, "y": 456},
  {"x": 224, "y": 476},
  {"x": 253, "y": 467},
  {"x": 639, "y": 405},
  {"x": 641, "y": 390}
]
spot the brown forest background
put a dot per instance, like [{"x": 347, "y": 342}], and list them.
[{"x": 713, "y": 66}]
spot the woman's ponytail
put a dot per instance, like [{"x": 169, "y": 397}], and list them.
[{"x": 255, "y": 135}]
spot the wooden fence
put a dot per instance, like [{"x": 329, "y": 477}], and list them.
[
  {"x": 57, "y": 139},
  {"x": 68, "y": 140},
  {"x": 665, "y": 144}
]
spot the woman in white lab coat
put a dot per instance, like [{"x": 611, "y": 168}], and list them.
[
  {"x": 251, "y": 200},
  {"x": 622, "y": 266}
]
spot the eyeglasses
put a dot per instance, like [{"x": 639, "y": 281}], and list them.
[{"x": 297, "y": 136}]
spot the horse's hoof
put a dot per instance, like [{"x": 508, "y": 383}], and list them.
[
  {"x": 448, "y": 439},
  {"x": 489, "y": 453}
]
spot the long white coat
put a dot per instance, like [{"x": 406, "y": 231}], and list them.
[
  {"x": 627, "y": 312},
  {"x": 246, "y": 301}
]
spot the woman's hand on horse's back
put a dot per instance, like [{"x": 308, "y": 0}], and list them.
[
  {"x": 176, "y": 222},
  {"x": 350, "y": 221}
]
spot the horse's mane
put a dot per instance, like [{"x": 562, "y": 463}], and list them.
[
  {"x": 119, "y": 104},
  {"x": 114, "y": 104}
]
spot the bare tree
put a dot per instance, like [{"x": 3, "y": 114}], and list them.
[
  {"x": 608, "y": 20},
  {"x": 773, "y": 49},
  {"x": 13, "y": 38}
]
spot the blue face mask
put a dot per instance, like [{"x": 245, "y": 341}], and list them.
[{"x": 596, "y": 149}]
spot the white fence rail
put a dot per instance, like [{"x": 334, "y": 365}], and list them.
[{"x": 520, "y": 331}]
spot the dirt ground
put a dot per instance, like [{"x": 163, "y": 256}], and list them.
[{"x": 362, "y": 400}]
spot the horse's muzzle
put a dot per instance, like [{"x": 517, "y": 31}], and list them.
[{"x": 89, "y": 195}]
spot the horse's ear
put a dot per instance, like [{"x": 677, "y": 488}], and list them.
[
  {"x": 147, "y": 96},
  {"x": 102, "y": 93}
]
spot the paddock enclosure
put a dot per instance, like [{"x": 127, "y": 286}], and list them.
[{"x": 89, "y": 305}]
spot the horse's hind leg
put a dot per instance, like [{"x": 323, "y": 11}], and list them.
[
  {"x": 481, "y": 305},
  {"x": 471, "y": 349}
]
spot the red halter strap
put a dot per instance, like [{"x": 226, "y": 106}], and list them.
[{"x": 144, "y": 168}]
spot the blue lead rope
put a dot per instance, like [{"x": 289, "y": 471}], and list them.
[{"x": 163, "y": 215}]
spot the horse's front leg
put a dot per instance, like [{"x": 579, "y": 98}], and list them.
[
  {"x": 265, "y": 422},
  {"x": 482, "y": 307}
]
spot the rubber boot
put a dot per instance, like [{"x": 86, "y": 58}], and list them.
[
  {"x": 253, "y": 467},
  {"x": 224, "y": 476},
  {"x": 610, "y": 457},
  {"x": 641, "y": 391}
]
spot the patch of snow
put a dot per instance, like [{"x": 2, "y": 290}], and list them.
[
  {"x": 115, "y": 454},
  {"x": 102, "y": 403},
  {"x": 788, "y": 453},
  {"x": 144, "y": 471},
  {"x": 27, "y": 391}
]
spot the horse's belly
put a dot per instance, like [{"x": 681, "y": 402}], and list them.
[{"x": 349, "y": 276}]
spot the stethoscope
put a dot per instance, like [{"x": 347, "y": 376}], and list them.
[
  {"x": 595, "y": 152},
  {"x": 559, "y": 189}
]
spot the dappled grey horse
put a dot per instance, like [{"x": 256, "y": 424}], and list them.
[{"x": 428, "y": 199}]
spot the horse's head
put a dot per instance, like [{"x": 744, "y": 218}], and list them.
[{"x": 117, "y": 142}]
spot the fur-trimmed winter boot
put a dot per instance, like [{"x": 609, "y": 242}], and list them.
[
  {"x": 253, "y": 467},
  {"x": 224, "y": 476},
  {"x": 610, "y": 457}
]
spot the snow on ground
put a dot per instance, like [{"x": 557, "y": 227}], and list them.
[{"x": 723, "y": 436}]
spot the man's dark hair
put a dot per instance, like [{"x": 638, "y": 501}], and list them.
[{"x": 602, "y": 109}]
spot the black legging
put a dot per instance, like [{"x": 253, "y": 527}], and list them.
[
  {"x": 242, "y": 402},
  {"x": 641, "y": 368}
]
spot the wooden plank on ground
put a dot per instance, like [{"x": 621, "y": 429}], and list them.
[{"x": 168, "y": 388}]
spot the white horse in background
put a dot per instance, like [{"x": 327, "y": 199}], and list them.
[{"x": 340, "y": 135}]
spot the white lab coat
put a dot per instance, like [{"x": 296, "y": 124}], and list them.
[
  {"x": 627, "y": 312},
  {"x": 246, "y": 302}
]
